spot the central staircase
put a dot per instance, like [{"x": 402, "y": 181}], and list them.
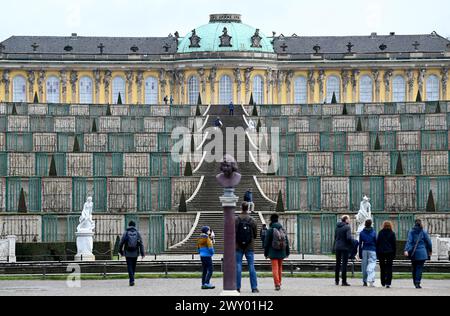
[{"x": 207, "y": 200}]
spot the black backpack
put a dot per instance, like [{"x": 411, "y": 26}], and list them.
[
  {"x": 132, "y": 240},
  {"x": 244, "y": 234}
]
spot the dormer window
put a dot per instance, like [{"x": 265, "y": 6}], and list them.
[
  {"x": 134, "y": 49},
  {"x": 68, "y": 48}
]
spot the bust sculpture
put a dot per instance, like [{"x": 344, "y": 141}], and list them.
[
  {"x": 365, "y": 213},
  {"x": 86, "y": 222},
  {"x": 229, "y": 178}
]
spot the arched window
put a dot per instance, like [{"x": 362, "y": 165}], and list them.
[
  {"x": 19, "y": 89},
  {"x": 86, "y": 90},
  {"x": 53, "y": 90},
  {"x": 433, "y": 88},
  {"x": 333, "y": 86},
  {"x": 118, "y": 87},
  {"x": 258, "y": 89},
  {"x": 151, "y": 91},
  {"x": 399, "y": 89},
  {"x": 225, "y": 90},
  {"x": 193, "y": 90},
  {"x": 300, "y": 90},
  {"x": 365, "y": 89}
]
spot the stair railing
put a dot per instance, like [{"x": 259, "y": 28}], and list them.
[
  {"x": 196, "y": 190},
  {"x": 191, "y": 233},
  {"x": 261, "y": 191}
]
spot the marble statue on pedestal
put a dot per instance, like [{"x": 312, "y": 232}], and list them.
[
  {"x": 364, "y": 214},
  {"x": 85, "y": 233}
]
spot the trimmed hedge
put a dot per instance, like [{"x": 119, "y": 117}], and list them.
[{"x": 58, "y": 251}]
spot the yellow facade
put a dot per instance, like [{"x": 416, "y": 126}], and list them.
[{"x": 273, "y": 95}]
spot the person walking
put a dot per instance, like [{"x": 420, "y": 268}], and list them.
[
  {"x": 276, "y": 249},
  {"x": 171, "y": 100},
  {"x": 248, "y": 197},
  {"x": 206, "y": 250},
  {"x": 343, "y": 246},
  {"x": 131, "y": 247},
  {"x": 246, "y": 233},
  {"x": 231, "y": 108},
  {"x": 263, "y": 234},
  {"x": 218, "y": 124},
  {"x": 166, "y": 100},
  {"x": 386, "y": 251},
  {"x": 368, "y": 253},
  {"x": 418, "y": 249}
]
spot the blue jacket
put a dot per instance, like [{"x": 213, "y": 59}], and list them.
[
  {"x": 205, "y": 246},
  {"x": 424, "y": 247},
  {"x": 367, "y": 241},
  {"x": 248, "y": 196},
  {"x": 231, "y": 106}
]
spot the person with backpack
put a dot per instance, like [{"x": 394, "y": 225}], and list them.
[
  {"x": 248, "y": 197},
  {"x": 206, "y": 250},
  {"x": 418, "y": 249},
  {"x": 246, "y": 233},
  {"x": 386, "y": 251},
  {"x": 343, "y": 246},
  {"x": 130, "y": 247},
  {"x": 277, "y": 249},
  {"x": 368, "y": 253}
]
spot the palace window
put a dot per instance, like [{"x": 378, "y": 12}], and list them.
[
  {"x": 366, "y": 89},
  {"x": 258, "y": 90},
  {"x": 193, "y": 90},
  {"x": 225, "y": 90},
  {"x": 53, "y": 90},
  {"x": 399, "y": 89},
  {"x": 300, "y": 91},
  {"x": 433, "y": 88},
  {"x": 86, "y": 90},
  {"x": 151, "y": 91},
  {"x": 118, "y": 87},
  {"x": 19, "y": 89},
  {"x": 333, "y": 86}
]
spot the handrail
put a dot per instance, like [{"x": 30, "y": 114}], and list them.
[
  {"x": 203, "y": 142},
  {"x": 261, "y": 191},
  {"x": 207, "y": 110},
  {"x": 200, "y": 163},
  {"x": 196, "y": 190},
  {"x": 204, "y": 124},
  {"x": 251, "y": 141},
  {"x": 255, "y": 162},
  {"x": 197, "y": 219},
  {"x": 245, "y": 111}
]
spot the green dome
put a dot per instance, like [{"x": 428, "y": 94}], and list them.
[{"x": 210, "y": 37}]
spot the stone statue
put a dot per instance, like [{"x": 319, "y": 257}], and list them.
[
  {"x": 195, "y": 40},
  {"x": 256, "y": 40},
  {"x": 86, "y": 222},
  {"x": 229, "y": 178},
  {"x": 365, "y": 213}
]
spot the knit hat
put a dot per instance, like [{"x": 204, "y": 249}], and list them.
[{"x": 205, "y": 230}]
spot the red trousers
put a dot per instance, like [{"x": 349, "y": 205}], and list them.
[{"x": 277, "y": 270}]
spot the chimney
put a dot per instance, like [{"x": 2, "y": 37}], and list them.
[
  {"x": 74, "y": 34},
  {"x": 373, "y": 35},
  {"x": 392, "y": 34}
]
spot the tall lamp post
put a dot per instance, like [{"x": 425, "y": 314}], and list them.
[{"x": 229, "y": 179}]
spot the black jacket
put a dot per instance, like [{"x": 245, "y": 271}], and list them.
[
  {"x": 386, "y": 242},
  {"x": 131, "y": 253},
  {"x": 343, "y": 237}
]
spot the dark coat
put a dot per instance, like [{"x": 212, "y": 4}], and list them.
[
  {"x": 424, "y": 247},
  {"x": 248, "y": 197},
  {"x": 131, "y": 253},
  {"x": 251, "y": 221},
  {"x": 343, "y": 237},
  {"x": 269, "y": 251},
  {"x": 386, "y": 242}
]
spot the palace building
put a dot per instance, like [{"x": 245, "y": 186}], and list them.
[
  {"x": 87, "y": 117},
  {"x": 225, "y": 60}
]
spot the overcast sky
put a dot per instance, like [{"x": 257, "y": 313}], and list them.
[{"x": 161, "y": 17}]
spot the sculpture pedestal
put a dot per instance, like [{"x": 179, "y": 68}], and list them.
[
  {"x": 85, "y": 245},
  {"x": 229, "y": 201}
]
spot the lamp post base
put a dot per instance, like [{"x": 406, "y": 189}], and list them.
[{"x": 230, "y": 293}]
